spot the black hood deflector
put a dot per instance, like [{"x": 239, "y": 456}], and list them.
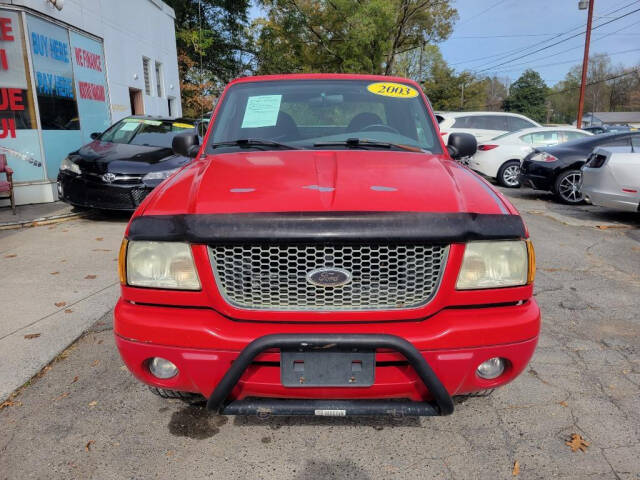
[{"x": 326, "y": 227}]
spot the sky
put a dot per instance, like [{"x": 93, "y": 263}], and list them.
[{"x": 494, "y": 32}]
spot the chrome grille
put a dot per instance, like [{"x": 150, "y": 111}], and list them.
[{"x": 274, "y": 277}]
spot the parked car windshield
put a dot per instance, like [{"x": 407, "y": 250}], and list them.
[
  {"x": 147, "y": 132},
  {"x": 308, "y": 113}
]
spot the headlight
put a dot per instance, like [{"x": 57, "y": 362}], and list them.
[
  {"x": 70, "y": 166},
  {"x": 161, "y": 265},
  {"x": 160, "y": 175},
  {"x": 543, "y": 157},
  {"x": 495, "y": 264}
]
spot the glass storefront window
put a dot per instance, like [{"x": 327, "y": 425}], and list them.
[
  {"x": 71, "y": 98},
  {"x": 53, "y": 72},
  {"x": 18, "y": 126}
]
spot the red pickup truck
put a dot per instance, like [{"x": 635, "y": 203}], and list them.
[{"x": 324, "y": 254}]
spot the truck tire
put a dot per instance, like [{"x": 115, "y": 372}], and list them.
[{"x": 186, "y": 397}]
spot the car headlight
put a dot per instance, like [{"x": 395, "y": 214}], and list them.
[
  {"x": 495, "y": 264},
  {"x": 160, "y": 175},
  {"x": 543, "y": 157},
  {"x": 70, "y": 166},
  {"x": 158, "y": 265}
]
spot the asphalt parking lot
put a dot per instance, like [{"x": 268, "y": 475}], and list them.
[{"x": 86, "y": 417}]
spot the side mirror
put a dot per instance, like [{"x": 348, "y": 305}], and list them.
[
  {"x": 462, "y": 145},
  {"x": 186, "y": 144},
  {"x": 95, "y": 135}
]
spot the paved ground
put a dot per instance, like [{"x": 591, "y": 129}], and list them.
[
  {"x": 57, "y": 280},
  {"x": 85, "y": 417},
  {"x": 38, "y": 213}
]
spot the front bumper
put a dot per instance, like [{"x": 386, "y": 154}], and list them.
[
  {"x": 81, "y": 191},
  {"x": 205, "y": 346}
]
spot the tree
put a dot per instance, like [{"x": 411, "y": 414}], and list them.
[
  {"x": 212, "y": 47},
  {"x": 448, "y": 90},
  {"x": 360, "y": 36},
  {"x": 528, "y": 96},
  {"x": 496, "y": 92},
  {"x": 604, "y": 92}
]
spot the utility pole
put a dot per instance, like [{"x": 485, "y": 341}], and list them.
[{"x": 582, "y": 4}]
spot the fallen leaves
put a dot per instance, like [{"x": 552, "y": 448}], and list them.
[
  {"x": 577, "y": 443},
  {"x": 93, "y": 404},
  {"x": 31, "y": 336},
  {"x": 516, "y": 468},
  {"x": 62, "y": 395},
  {"x": 99, "y": 239},
  {"x": 95, "y": 363},
  {"x": 68, "y": 310},
  {"x": 87, "y": 447},
  {"x": 13, "y": 255},
  {"x": 90, "y": 277},
  {"x": 60, "y": 304},
  {"x": 54, "y": 273},
  {"x": 9, "y": 403},
  {"x": 75, "y": 379},
  {"x": 564, "y": 404}
]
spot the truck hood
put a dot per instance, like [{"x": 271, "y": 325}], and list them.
[{"x": 312, "y": 181}]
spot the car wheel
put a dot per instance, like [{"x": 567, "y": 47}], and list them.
[
  {"x": 192, "y": 398},
  {"x": 509, "y": 173},
  {"x": 567, "y": 187}
]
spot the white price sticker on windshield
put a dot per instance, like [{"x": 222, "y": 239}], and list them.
[{"x": 262, "y": 111}]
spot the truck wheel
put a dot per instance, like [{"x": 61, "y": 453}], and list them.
[
  {"x": 186, "y": 397},
  {"x": 508, "y": 174},
  {"x": 567, "y": 187}
]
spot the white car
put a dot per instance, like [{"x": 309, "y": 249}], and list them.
[
  {"x": 500, "y": 157},
  {"x": 482, "y": 125},
  {"x": 611, "y": 178}
]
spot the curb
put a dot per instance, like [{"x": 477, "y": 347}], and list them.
[{"x": 41, "y": 221}]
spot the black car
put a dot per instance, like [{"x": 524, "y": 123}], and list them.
[
  {"x": 119, "y": 168},
  {"x": 557, "y": 168},
  {"x": 595, "y": 130}
]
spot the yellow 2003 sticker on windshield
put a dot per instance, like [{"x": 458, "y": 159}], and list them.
[{"x": 389, "y": 89}]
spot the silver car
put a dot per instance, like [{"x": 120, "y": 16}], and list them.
[{"x": 611, "y": 178}]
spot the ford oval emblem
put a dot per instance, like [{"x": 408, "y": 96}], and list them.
[
  {"x": 108, "y": 177},
  {"x": 329, "y": 277}
]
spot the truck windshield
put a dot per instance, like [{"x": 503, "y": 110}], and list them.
[{"x": 323, "y": 114}]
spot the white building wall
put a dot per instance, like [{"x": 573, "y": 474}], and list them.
[{"x": 130, "y": 29}]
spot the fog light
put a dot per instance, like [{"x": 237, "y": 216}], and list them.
[
  {"x": 161, "y": 368},
  {"x": 492, "y": 368}
]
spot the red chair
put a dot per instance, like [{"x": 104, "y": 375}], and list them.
[{"x": 6, "y": 188}]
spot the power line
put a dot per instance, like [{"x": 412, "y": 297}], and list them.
[
  {"x": 605, "y": 35},
  {"x": 482, "y": 12},
  {"x": 565, "y": 61},
  {"x": 509, "y": 53},
  {"x": 557, "y": 43},
  {"x": 568, "y": 89}
]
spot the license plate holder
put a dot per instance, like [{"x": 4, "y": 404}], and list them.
[{"x": 327, "y": 368}]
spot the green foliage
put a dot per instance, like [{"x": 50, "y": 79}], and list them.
[
  {"x": 528, "y": 96},
  {"x": 448, "y": 90},
  {"x": 358, "y": 36},
  {"x": 212, "y": 48}
]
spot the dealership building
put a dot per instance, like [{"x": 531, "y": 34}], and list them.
[{"x": 74, "y": 68}]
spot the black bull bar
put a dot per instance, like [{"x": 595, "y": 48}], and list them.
[{"x": 442, "y": 402}]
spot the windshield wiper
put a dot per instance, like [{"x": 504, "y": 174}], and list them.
[
  {"x": 254, "y": 142},
  {"x": 363, "y": 143}
]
